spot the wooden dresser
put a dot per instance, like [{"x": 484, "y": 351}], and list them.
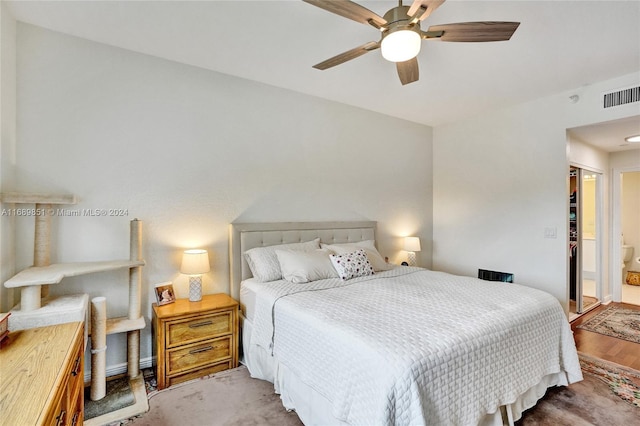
[
  {"x": 42, "y": 376},
  {"x": 193, "y": 339}
]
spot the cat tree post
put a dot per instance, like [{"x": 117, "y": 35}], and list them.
[
  {"x": 30, "y": 297},
  {"x": 135, "y": 296},
  {"x": 42, "y": 240},
  {"x": 98, "y": 348}
]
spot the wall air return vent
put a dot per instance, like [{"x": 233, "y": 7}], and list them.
[{"x": 621, "y": 97}]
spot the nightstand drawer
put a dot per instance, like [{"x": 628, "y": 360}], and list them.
[
  {"x": 203, "y": 327},
  {"x": 193, "y": 356},
  {"x": 195, "y": 374}
]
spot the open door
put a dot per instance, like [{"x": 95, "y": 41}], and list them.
[{"x": 584, "y": 240}]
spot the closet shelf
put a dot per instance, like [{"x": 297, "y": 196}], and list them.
[{"x": 53, "y": 274}]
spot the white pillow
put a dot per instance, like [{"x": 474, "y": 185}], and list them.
[
  {"x": 352, "y": 265},
  {"x": 264, "y": 262},
  {"x": 377, "y": 261},
  {"x": 303, "y": 267}
]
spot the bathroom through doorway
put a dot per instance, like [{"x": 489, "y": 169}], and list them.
[{"x": 630, "y": 236}]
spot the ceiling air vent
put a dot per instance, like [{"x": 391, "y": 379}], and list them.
[{"x": 621, "y": 97}]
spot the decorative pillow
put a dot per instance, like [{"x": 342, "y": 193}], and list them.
[
  {"x": 377, "y": 261},
  {"x": 264, "y": 262},
  {"x": 303, "y": 267},
  {"x": 352, "y": 265}
]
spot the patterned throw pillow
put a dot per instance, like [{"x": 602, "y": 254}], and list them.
[
  {"x": 376, "y": 260},
  {"x": 352, "y": 265}
]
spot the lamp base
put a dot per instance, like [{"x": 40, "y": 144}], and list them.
[
  {"x": 195, "y": 288},
  {"x": 412, "y": 258}
]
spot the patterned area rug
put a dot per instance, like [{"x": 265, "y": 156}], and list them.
[
  {"x": 609, "y": 395},
  {"x": 623, "y": 382},
  {"x": 616, "y": 322}
]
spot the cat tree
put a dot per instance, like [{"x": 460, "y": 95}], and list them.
[{"x": 37, "y": 309}]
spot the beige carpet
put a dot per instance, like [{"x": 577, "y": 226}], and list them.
[
  {"x": 229, "y": 398},
  {"x": 232, "y": 398}
]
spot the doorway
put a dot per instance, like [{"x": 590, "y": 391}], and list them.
[
  {"x": 630, "y": 235},
  {"x": 585, "y": 245}
]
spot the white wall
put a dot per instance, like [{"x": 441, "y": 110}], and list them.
[
  {"x": 7, "y": 147},
  {"x": 189, "y": 151},
  {"x": 625, "y": 160},
  {"x": 500, "y": 179}
]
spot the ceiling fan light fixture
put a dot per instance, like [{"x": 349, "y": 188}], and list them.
[{"x": 401, "y": 45}]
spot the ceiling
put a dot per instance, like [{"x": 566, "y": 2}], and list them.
[
  {"x": 559, "y": 46},
  {"x": 609, "y": 136}
]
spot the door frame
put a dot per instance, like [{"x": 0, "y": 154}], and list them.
[
  {"x": 615, "y": 242},
  {"x": 599, "y": 275}
]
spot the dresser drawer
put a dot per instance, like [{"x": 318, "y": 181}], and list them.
[
  {"x": 199, "y": 354},
  {"x": 76, "y": 373},
  {"x": 75, "y": 388},
  {"x": 182, "y": 332},
  {"x": 58, "y": 416}
]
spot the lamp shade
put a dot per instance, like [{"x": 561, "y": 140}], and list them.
[
  {"x": 195, "y": 262},
  {"x": 412, "y": 244}
]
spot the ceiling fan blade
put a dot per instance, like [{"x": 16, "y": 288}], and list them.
[
  {"x": 421, "y": 9},
  {"x": 350, "y": 10},
  {"x": 408, "y": 71},
  {"x": 347, "y": 56},
  {"x": 476, "y": 31}
]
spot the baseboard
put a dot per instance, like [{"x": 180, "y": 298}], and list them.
[{"x": 116, "y": 369}]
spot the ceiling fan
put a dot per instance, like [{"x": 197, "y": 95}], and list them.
[{"x": 401, "y": 33}]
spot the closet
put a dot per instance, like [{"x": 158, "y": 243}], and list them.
[{"x": 584, "y": 240}]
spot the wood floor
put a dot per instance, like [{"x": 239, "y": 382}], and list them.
[{"x": 609, "y": 348}]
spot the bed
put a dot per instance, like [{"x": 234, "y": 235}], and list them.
[{"x": 402, "y": 346}]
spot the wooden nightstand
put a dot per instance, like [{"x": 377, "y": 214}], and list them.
[{"x": 193, "y": 339}]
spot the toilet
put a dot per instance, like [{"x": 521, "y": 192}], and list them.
[{"x": 627, "y": 254}]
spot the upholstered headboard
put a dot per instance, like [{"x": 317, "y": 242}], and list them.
[{"x": 245, "y": 236}]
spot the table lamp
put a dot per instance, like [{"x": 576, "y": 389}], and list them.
[
  {"x": 412, "y": 245},
  {"x": 195, "y": 263}
]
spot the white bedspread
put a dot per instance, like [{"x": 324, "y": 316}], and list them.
[{"x": 412, "y": 347}]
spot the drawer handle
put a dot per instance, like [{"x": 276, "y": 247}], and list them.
[
  {"x": 61, "y": 418},
  {"x": 196, "y": 351},
  {"x": 200, "y": 324},
  {"x": 76, "y": 367}
]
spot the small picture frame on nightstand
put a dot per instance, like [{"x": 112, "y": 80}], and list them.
[{"x": 165, "y": 293}]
